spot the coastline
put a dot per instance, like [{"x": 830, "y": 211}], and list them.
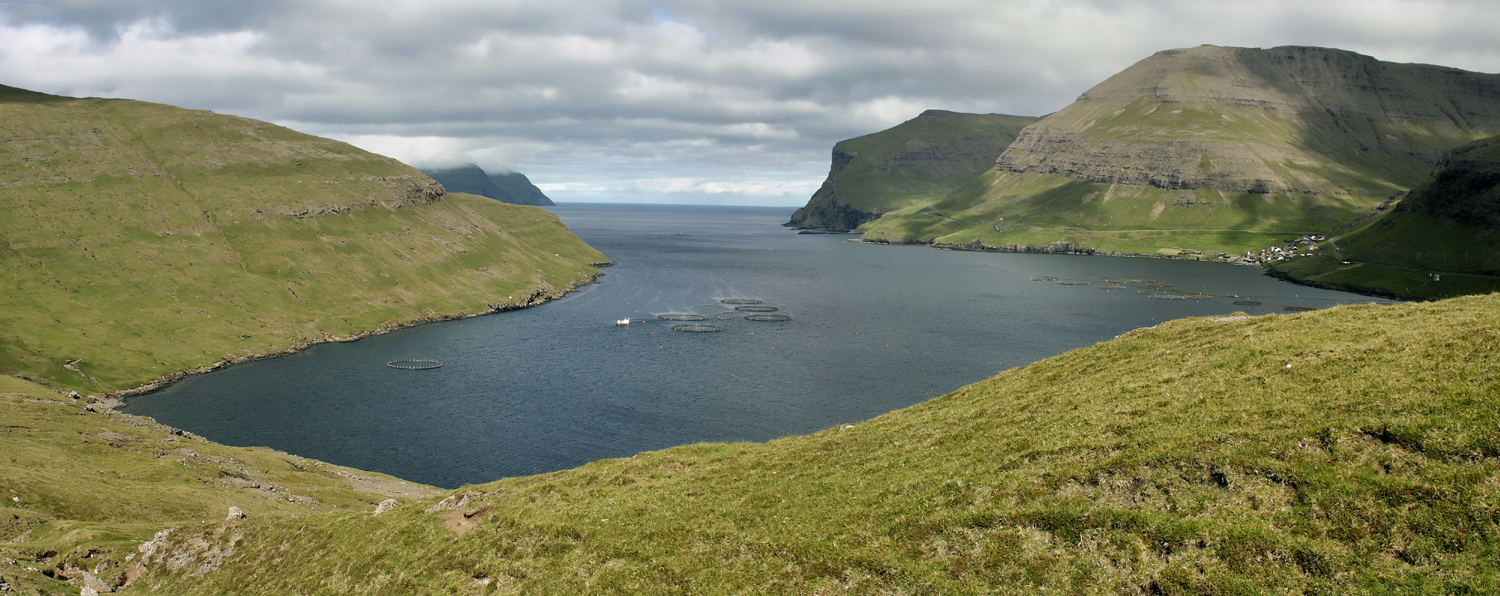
[
  {"x": 1078, "y": 249},
  {"x": 114, "y": 399},
  {"x": 1058, "y": 248}
]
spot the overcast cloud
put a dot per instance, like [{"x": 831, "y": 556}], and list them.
[{"x": 675, "y": 101}]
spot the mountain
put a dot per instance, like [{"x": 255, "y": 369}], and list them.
[
  {"x": 140, "y": 240},
  {"x": 510, "y": 187},
  {"x": 1215, "y": 149},
  {"x": 915, "y": 162},
  {"x": 1350, "y": 450},
  {"x": 1448, "y": 225}
]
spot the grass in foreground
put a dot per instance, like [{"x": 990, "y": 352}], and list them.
[
  {"x": 80, "y": 489},
  {"x": 1346, "y": 451}
]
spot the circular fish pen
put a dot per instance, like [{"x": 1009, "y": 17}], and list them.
[
  {"x": 680, "y": 316},
  {"x": 1298, "y": 308},
  {"x": 1246, "y": 303},
  {"x": 1158, "y": 284},
  {"x": 1111, "y": 287},
  {"x": 756, "y": 308},
  {"x": 740, "y": 301},
  {"x": 1165, "y": 296},
  {"x": 415, "y": 364},
  {"x": 1072, "y": 282},
  {"x": 1197, "y": 296},
  {"x": 1043, "y": 278},
  {"x": 768, "y": 318},
  {"x": 697, "y": 327}
]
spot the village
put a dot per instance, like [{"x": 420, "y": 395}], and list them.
[{"x": 1277, "y": 253}]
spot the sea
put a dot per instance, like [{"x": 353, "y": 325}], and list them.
[{"x": 794, "y": 333}]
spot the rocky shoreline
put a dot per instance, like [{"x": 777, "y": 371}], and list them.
[{"x": 114, "y": 399}]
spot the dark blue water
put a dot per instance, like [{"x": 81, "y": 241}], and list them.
[{"x": 873, "y": 329}]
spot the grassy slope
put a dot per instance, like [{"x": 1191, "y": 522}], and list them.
[
  {"x": 891, "y": 168},
  {"x": 1335, "y": 168},
  {"x": 1445, "y": 225},
  {"x": 1350, "y": 450},
  {"x": 913, "y": 163},
  {"x": 140, "y": 239},
  {"x": 92, "y": 485},
  {"x": 519, "y": 190}
]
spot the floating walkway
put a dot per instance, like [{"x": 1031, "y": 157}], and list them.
[
  {"x": 680, "y": 316},
  {"x": 697, "y": 328},
  {"x": 415, "y": 364}
]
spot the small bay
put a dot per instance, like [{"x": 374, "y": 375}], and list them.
[{"x": 872, "y": 329}]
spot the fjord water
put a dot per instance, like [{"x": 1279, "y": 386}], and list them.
[{"x": 873, "y": 329}]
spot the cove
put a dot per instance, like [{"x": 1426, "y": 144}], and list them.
[{"x": 872, "y": 329}]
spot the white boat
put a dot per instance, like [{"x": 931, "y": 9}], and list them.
[{"x": 623, "y": 322}]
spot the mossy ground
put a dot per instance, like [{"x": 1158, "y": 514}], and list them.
[{"x": 1346, "y": 451}]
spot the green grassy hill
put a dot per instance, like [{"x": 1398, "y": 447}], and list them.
[
  {"x": 1449, "y": 225},
  {"x": 139, "y": 240},
  {"x": 1216, "y": 150},
  {"x": 510, "y": 187},
  {"x": 1354, "y": 450},
  {"x": 914, "y": 163}
]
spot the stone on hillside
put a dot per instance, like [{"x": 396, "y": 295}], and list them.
[
  {"x": 385, "y": 506},
  {"x": 235, "y": 513},
  {"x": 90, "y": 582}
]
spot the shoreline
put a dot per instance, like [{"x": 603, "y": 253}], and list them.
[
  {"x": 114, "y": 399},
  {"x": 1067, "y": 248},
  {"x": 1078, "y": 249}
]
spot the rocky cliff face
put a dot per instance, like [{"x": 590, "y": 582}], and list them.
[
  {"x": 1283, "y": 120},
  {"x": 917, "y": 161}
]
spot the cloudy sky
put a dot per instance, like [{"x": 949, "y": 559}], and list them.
[{"x": 707, "y": 101}]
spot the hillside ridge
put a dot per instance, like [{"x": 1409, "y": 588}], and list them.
[
  {"x": 917, "y": 161},
  {"x": 141, "y": 239},
  {"x": 1214, "y": 151}
]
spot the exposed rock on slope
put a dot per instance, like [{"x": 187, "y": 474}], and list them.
[
  {"x": 510, "y": 187},
  {"x": 917, "y": 161}
]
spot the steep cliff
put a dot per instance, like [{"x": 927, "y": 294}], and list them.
[
  {"x": 510, "y": 187},
  {"x": 138, "y": 240},
  {"x": 1290, "y": 140},
  {"x": 917, "y": 161}
]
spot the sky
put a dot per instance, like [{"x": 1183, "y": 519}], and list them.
[{"x": 704, "y": 101}]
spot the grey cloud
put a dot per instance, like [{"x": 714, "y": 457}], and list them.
[{"x": 595, "y": 93}]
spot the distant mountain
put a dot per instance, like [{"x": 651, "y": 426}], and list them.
[
  {"x": 510, "y": 187},
  {"x": 139, "y": 240},
  {"x": 1448, "y": 226},
  {"x": 916, "y": 162},
  {"x": 1218, "y": 149}
]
